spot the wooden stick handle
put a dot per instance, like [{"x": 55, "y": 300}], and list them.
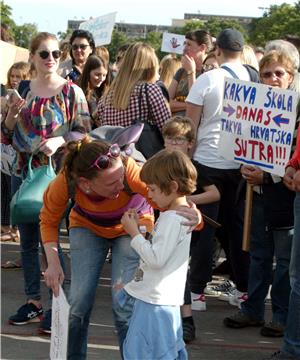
[{"x": 247, "y": 218}]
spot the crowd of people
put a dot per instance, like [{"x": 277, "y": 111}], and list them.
[{"x": 147, "y": 211}]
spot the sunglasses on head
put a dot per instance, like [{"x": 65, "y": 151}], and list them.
[
  {"x": 103, "y": 161},
  {"x": 80, "y": 46},
  {"x": 268, "y": 74},
  {"x": 44, "y": 54}
]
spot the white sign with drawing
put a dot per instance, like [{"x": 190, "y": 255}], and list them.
[
  {"x": 172, "y": 43},
  {"x": 59, "y": 326},
  {"x": 101, "y": 28}
]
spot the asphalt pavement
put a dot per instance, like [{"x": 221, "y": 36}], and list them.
[{"x": 214, "y": 341}]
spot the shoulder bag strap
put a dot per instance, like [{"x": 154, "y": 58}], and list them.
[{"x": 231, "y": 72}]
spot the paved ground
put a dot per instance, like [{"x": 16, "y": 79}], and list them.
[{"x": 214, "y": 341}]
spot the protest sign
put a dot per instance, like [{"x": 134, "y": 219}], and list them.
[
  {"x": 59, "y": 326},
  {"x": 257, "y": 124},
  {"x": 101, "y": 28},
  {"x": 172, "y": 43}
]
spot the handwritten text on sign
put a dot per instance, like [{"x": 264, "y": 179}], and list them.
[
  {"x": 59, "y": 326},
  {"x": 101, "y": 28},
  {"x": 257, "y": 124}
]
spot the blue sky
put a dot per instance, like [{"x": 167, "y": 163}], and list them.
[{"x": 53, "y": 15}]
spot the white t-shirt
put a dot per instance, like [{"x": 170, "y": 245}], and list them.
[
  {"x": 161, "y": 276},
  {"x": 207, "y": 91}
]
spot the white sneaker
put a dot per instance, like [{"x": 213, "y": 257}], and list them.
[
  {"x": 217, "y": 290},
  {"x": 198, "y": 302},
  {"x": 225, "y": 295},
  {"x": 237, "y": 298}
]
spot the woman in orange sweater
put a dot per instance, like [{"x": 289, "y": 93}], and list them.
[{"x": 104, "y": 185}]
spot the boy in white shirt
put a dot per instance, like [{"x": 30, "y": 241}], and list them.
[{"x": 155, "y": 330}]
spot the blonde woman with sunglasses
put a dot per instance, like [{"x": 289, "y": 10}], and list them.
[{"x": 52, "y": 111}]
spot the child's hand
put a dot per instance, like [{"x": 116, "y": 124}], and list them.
[{"x": 130, "y": 222}]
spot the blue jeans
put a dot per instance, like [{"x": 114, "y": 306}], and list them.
[
  {"x": 291, "y": 343},
  {"x": 30, "y": 240},
  {"x": 264, "y": 245},
  {"x": 88, "y": 253}
]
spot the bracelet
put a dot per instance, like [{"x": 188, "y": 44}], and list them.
[{"x": 190, "y": 72}]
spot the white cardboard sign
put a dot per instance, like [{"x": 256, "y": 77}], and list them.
[
  {"x": 257, "y": 124},
  {"x": 101, "y": 28},
  {"x": 172, "y": 43},
  {"x": 59, "y": 327}
]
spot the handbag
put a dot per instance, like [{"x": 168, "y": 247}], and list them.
[
  {"x": 151, "y": 140},
  {"x": 27, "y": 202}
]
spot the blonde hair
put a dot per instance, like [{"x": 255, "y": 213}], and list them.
[
  {"x": 103, "y": 53},
  {"x": 179, "y": 126},
  {"x": 166, "y": 166},
  {"x": 168, "y": 66},
  {"x": 23, "y": 67},
  {"x": 248, "y": 57},
  {"x": 276, "y": 56},
  {"x": 140, "y": 64}
]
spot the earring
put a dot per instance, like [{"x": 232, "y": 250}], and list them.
[{"x": 87, "y": 191}]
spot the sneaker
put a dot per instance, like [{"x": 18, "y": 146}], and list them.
[
  {"x": 279, "y": 355},
  {"x": 272, "y": 329},
  {"x": 198, "y": 302},
  {"x": 237, "y": 297},
  {"x": 189, "y": 331},
  {"x": 217, "y": 290},
  {"x": 241, "y": 320},
  {"x": 26, "y": 314},
  {"x": 227, "y": 294},
  {"x": 45, "y": 328}
]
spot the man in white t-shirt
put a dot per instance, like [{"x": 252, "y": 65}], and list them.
[{"x": 204, "y": 107}]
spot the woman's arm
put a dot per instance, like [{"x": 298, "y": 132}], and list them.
[
  {"x": 157, "y": 252},
  {"x": 211, "y": 194}
]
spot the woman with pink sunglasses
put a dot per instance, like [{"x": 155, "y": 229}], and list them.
[{"x": 104, "y": 184}]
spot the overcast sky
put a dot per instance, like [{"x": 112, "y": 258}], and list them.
[{"x": 53, "y": 15}]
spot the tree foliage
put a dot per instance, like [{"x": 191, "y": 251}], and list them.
[
  {"x": 215, "y": 26},
  {"x": 118, "y": 39},
  {"x": 21, "y": 34},
  {"x": 24, "y": 33},
  {"x": 276, "y": 23}
]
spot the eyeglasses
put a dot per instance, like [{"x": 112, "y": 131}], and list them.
[
  {"x": 268, "y": 74},
  {"x": 175, "y": 140},
  {"x": 80, "y": 46},
  {"x": 44, "y": 54},
  {"x": 102, "y": 162}
]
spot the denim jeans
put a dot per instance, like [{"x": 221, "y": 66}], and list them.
[
  {"x": 30, "y": 240},
  {"x": 264, "y": 245},
  {"x": 291, "y": 343},
  {"x": 88, "y": 253}
]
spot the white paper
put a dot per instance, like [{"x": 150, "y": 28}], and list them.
[
  {"x": 59, "y": 326},
  {"x": 172, "y": 43}
]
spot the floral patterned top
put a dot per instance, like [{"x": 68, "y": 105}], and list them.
[{"x": 64, "y": 114}]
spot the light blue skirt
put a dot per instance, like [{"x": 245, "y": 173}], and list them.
[{"x": 155, "y": 333}]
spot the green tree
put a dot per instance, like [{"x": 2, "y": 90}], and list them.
[
  {"x": 118, "y": 39},
  {"x": 24, "y": 33},
  {"x": 276, "y": 23},
  {"x": 62, "y": 35},
  {"x": 6, "y": 18},
  {"x": 216, "y": 26},
  {"x": 193, "y": 25}
]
